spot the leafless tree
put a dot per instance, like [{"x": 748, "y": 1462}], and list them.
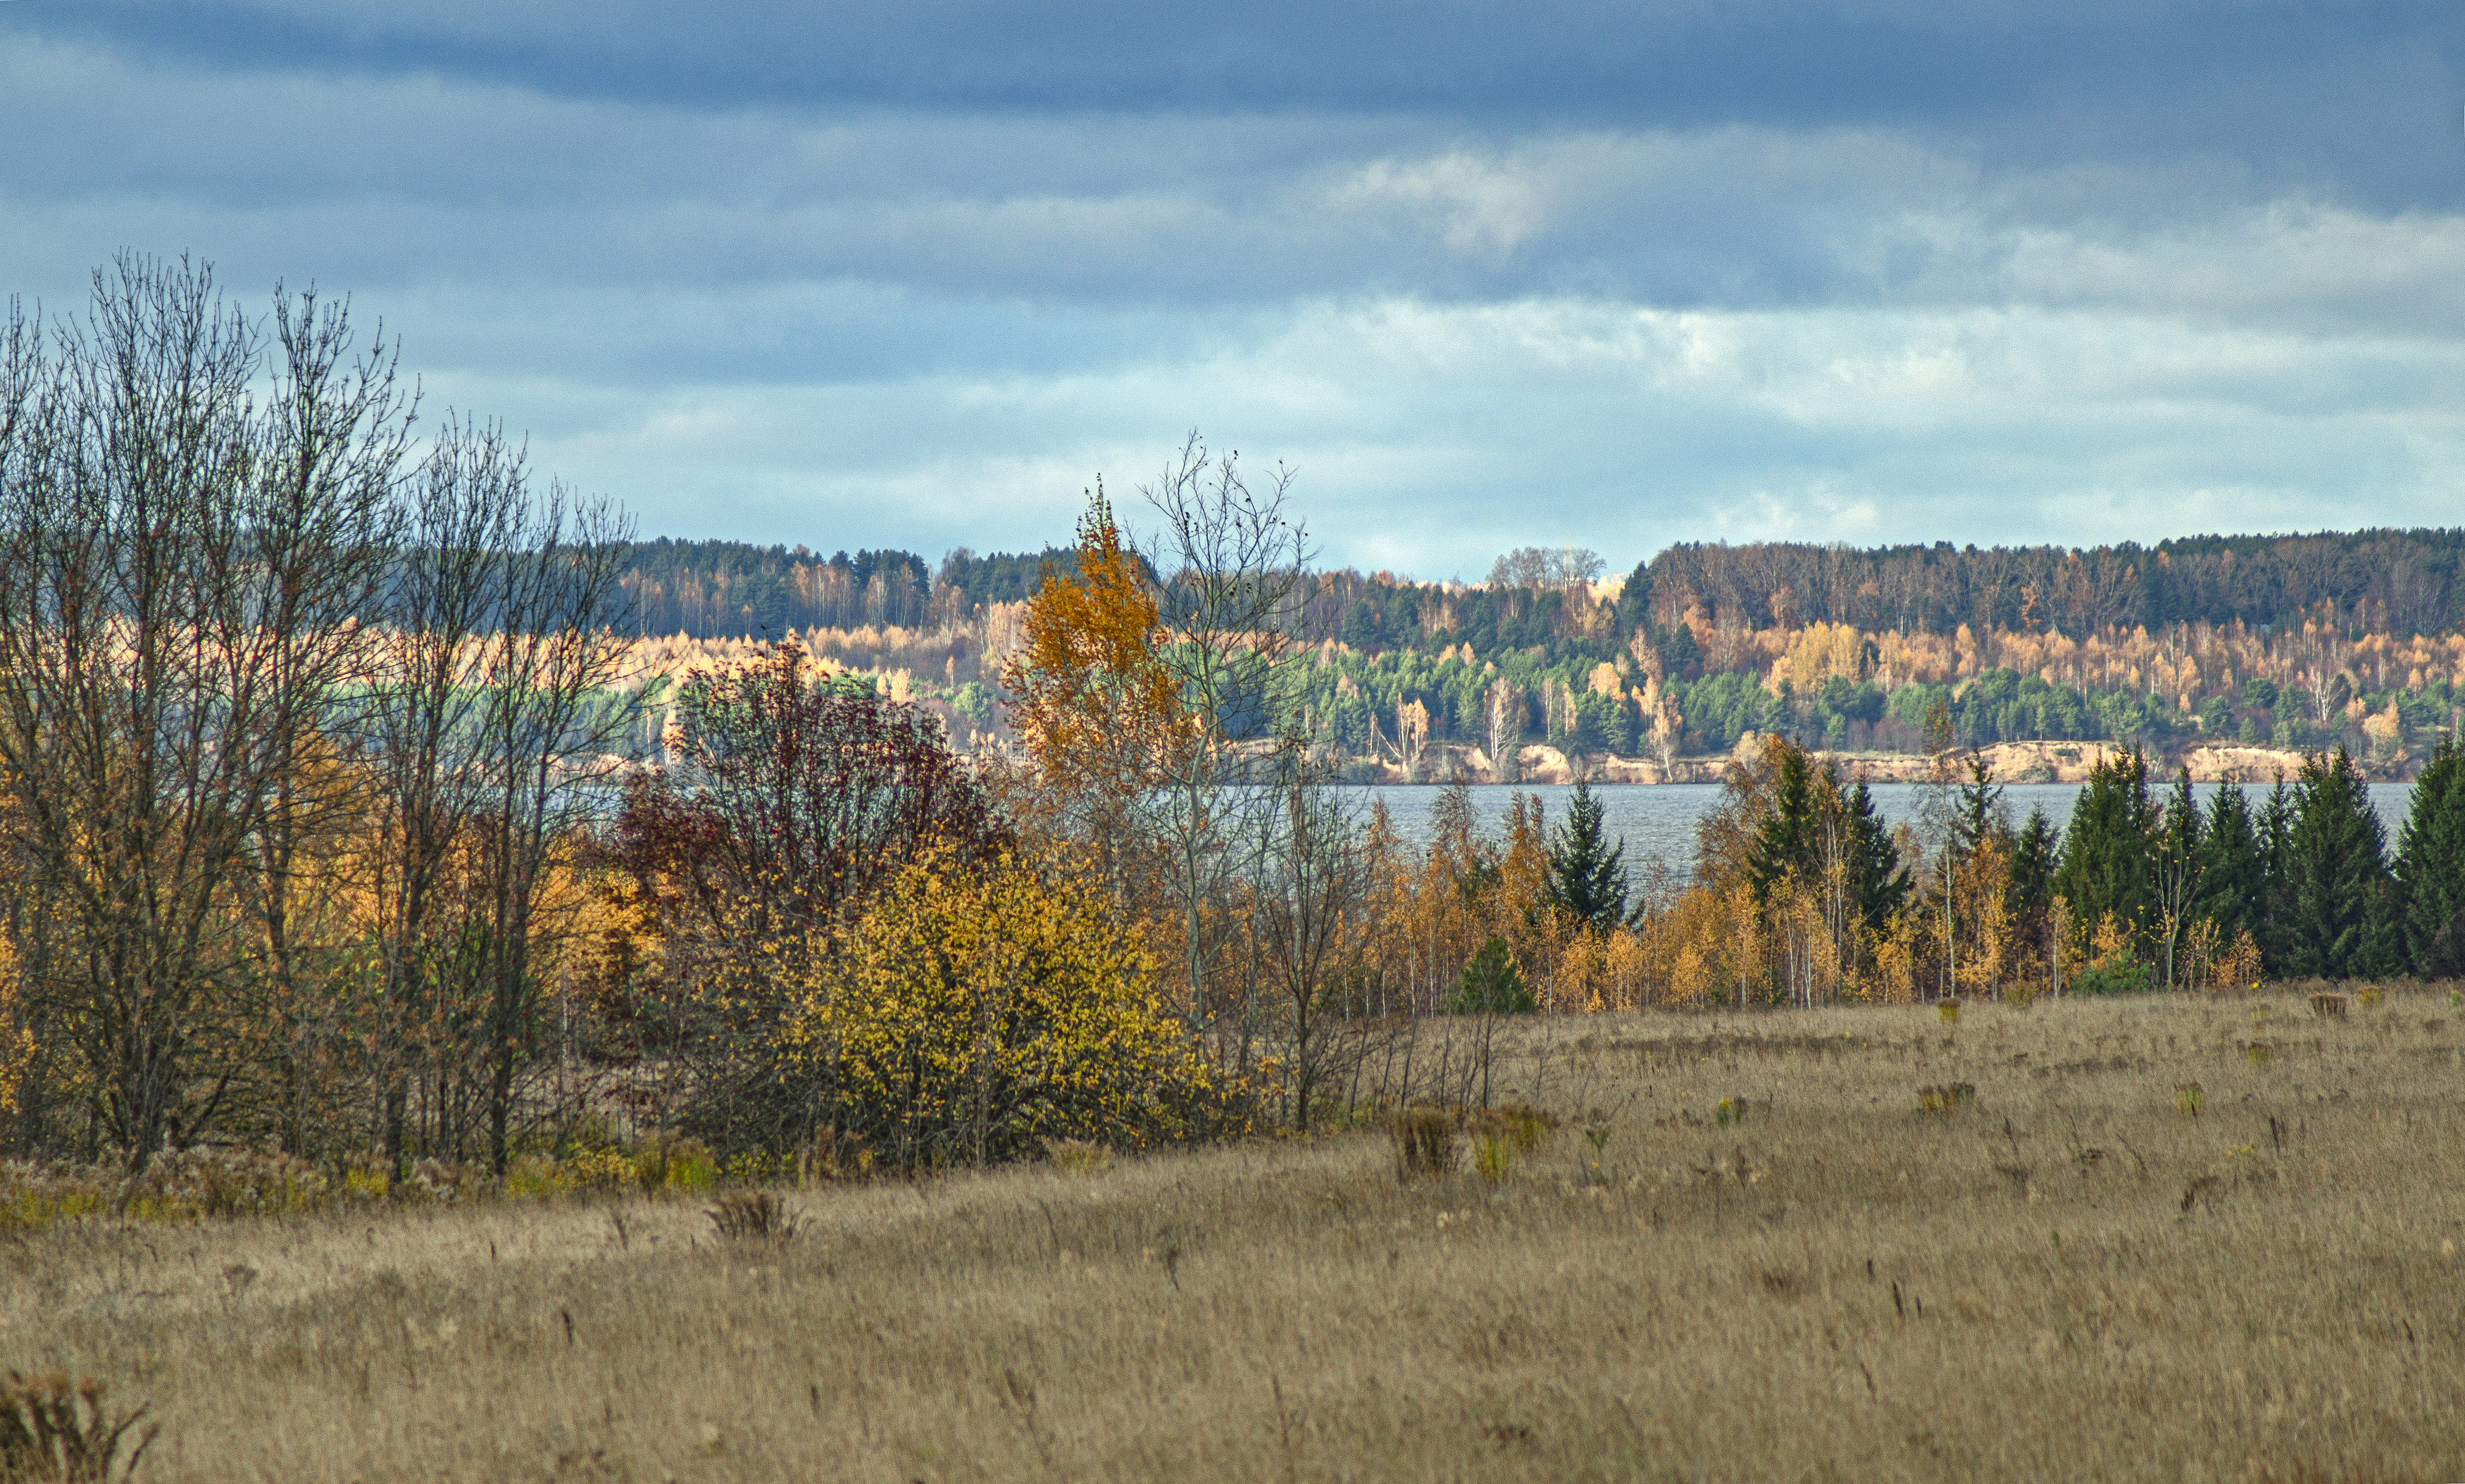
[
  {"x": 299, "y": 590},
  {"x": 1307, "y": 893},
  {"x": 137, "y": 733},
  {"x": 494, "y": 721},
  {"x": 1231, "y": 560},
  {"x": 241, "y": 625}
]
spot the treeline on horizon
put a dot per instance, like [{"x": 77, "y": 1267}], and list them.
[
  {"x": 726, "y": 589},
  {"x": 2384, "y": 580}
]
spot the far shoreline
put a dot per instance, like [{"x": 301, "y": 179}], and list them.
[{"x": 2010, "y": 762}]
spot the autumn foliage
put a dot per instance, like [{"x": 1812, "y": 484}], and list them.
[{"x": 1097, "y": 709}]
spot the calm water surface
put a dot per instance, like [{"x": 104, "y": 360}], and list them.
[{"x": 1656, "y": 822}]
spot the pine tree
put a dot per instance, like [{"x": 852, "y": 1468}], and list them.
[
  {"x": 1587, "y": 878},
  {"x": 2234, "y": 868},
  {"x": 2341, "y": 926},
  {"x": 2109, "y": 851},
  {"x": 2431, "y": 866}
]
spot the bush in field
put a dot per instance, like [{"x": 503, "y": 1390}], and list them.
[
  {"x": 52, "y": 1428},
  {"x": 977, "y": 1013}
]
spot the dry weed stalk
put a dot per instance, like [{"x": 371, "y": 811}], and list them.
[{"x": 59, "y": 1431}]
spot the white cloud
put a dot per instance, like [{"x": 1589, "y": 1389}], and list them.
[{"x": 1429, "y": 436}]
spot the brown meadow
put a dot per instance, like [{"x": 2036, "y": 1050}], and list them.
[{"x": 1747, "y": 1252}]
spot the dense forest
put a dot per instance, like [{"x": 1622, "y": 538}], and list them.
[
  {"x": 2397, "y": 582},
  {"x": 725, "y": 590},
  {"x": 2402, "y": 582}
]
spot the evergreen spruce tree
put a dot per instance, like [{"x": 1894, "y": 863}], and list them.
[
  {"x": 1360, "y": 627},
  {"x": 1980, "y": 814},
  {"x": 1587, "y": 878},
  {"x": 1877, "y": 874},
  {"x": 2340, "y": 925},
  {"x": 1785, "y": 843},
  {"x": 2029, "y": 900},
  {"x": 1493, "y": 983},
  {"x": 2233, "y": 867},
  {"x": 2180, "y": 834},
  {"x": 2109, "y": 850},
  {"x": 2431, "y": 866},
  {"x": 2277, "y": 844}
]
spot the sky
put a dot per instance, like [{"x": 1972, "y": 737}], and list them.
[{"x": 917, "y": 273}]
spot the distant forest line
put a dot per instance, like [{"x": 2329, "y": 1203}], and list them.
[
  {"x": 2290, "y": 641},
  {"x": 2399, "y": 582}
]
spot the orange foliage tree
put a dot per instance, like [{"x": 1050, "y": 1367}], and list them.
[{"x": 1099, "y": 712}]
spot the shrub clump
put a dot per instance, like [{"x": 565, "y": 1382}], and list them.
[
  {"x": 200, "y": 1185},
  {"x": 1426, "y": 1143},
  {"x": 974, "y": 1013}
]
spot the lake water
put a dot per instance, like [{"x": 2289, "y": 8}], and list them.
[{"x": 1656, "y": 822}]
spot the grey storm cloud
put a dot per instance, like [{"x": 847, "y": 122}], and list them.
[{"x": 913, "y": 274}]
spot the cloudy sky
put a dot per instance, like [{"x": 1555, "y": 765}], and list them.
[{"x": 913, "y": 272}]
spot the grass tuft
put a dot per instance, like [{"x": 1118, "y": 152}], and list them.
[
  {"x": 753, "y": 1216},
  {"x": 1078, "y": 1156},
  {"x": 1947, "y": 1098}
]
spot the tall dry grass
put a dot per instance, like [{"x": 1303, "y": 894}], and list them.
[{"x": 1760, "y": 1259}]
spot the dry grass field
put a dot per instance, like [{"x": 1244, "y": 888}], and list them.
[{"x": 2070, "y": 1274}]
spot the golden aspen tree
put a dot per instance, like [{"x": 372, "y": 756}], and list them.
[{"x": 1098, "y": 708}]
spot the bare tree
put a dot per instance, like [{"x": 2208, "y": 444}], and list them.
[
  {"x": 496, "y": 718},
  {"x": 424, "y": 735},
  {"x": 298, "y": 587},
  {"x": 134, "y": 725},
  {"x": 549, "y": 724},
  {"x": 254, "y": 659},
  {"x": 1502, "y": 720},
  {"x": 1307, "y": 891},
  {"x": 1231, "y": 560}
]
